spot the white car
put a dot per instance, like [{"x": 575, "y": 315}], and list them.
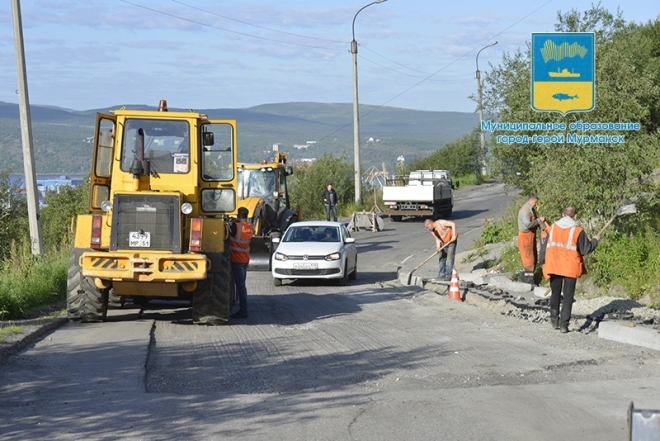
[{"x": 315, "y": 250}]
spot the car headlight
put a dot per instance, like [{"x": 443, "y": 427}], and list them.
[
  {"x": 333, "y": 256},
  {"x": 280, "y": 256}
]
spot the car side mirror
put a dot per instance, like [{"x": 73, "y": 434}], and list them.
[
  {"x": 275, "y": 239},
  {"x": 349, "y": 240}
]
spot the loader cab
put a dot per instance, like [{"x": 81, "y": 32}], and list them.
[
  {"x": 180, "y": 152},
  {"x": 265, "y": 182}
]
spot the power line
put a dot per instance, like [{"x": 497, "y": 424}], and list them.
[
  {"x": 438, "y": 71},
  {"x": 406, "y": 74},
  {"x": 256, "y": 26},
  {"x": 225, "y": 30},
  {"x": 429, "y": 77},
  {"x": 456, "y": 60}
]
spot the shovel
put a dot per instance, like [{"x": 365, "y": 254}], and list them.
[
  {"x": 439, "y": 250},
  {"x": 624, "y": 209}
]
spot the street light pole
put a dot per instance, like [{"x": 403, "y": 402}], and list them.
[
  {"x": 356, "y": 112},
  {"x": 484, "y": 169}
]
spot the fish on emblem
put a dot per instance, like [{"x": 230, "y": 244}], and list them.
[{"x": 564, "y": 96}]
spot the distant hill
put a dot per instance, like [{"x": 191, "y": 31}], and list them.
[{"x": 60, "y": 135}]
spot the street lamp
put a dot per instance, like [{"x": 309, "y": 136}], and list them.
[
  {"x": 481, "y": 112},
  {"x": 356, "y": 113}
]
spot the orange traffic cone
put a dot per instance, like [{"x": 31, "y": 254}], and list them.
[{"x": 454, "y": 292}]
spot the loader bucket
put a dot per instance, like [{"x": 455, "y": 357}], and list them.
[{"x": 260, "y": 252}]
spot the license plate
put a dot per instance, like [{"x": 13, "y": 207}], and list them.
[
  {"x": 139, "y": 239},
  {"x": 305, "y": 266}
]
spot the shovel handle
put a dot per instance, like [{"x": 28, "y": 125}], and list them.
[
  {"x": 431, "y": 256},
  {"x": 609, "y": 222}
]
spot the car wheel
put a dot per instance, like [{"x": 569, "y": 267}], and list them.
[
  {"x": 344, "y": 277},
  {"x": 277, "y": 282},
  {"x": 353, "y": 275}
]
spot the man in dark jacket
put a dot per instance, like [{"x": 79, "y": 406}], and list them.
[
  {"x": 564, "y": 263},
  {"x": 329, "y": 197}
]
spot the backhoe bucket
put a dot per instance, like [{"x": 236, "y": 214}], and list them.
[{"x": 260, "y": 252}]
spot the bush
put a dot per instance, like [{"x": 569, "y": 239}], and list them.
[
  {"x": 14, "y": 224},
  {"x": 500, "y": 230},
  {"x": 631, "y": 261},
  {"x": 28, "y": 282},
  {"x": 56, "y": 217},
  {"x": 309, "y": 181}
]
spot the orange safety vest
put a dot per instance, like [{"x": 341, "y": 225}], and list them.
[
  {"x": 562, "y": 257},
  {"x": 239, "y": 245},
  {"x": 443, "y": 233}
]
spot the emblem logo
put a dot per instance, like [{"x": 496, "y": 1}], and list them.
[
  {"x": 563, "y": 72},
  {"x": 305, "y": 257}
]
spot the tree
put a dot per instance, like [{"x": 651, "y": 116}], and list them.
[
  {"x": 14, "y": 227},
  {"x": 598, "y": 20},
  {"x": 61, "y": 207},
  {"x": 593, "y": 177},
  {"x": 309, "y": 181}
]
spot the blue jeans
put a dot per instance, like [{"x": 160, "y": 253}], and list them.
[
  {"x": 240, "y": 274},
  {"x": 447, "y": 260},
  {"x": 333, "y": 209}
]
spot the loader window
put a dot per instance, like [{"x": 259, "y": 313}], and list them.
[
  {"x": 166, "y": 144},
  {"x": 218, "y": 200},
  {"x": 106, "y": 139},
  {"x": 218, "y": 158}
]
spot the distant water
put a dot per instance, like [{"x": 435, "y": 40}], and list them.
[{"x": 17, "y": 179}]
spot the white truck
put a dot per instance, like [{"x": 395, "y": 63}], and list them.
[{"x": 421, "y": 193}]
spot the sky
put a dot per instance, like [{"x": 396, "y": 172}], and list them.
[{"x": 207, "y": 54}]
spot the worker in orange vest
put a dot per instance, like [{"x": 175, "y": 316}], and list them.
[
  {"x": 444, "y": 232},
  {"x": 566, "y": 247},
  {"x": 528, "y": 223},
  {"x": 240, "y": 234}
]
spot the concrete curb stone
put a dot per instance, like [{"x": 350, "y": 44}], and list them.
[{"x": 34, "y": 333}]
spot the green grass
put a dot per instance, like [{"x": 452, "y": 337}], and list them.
[
  {"x": 28, "y": 282},
  {"x": 19, "y": 329},
  {"x": 10, "y": 330}
]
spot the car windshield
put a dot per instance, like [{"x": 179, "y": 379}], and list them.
[{"x": 311, "y": 233}]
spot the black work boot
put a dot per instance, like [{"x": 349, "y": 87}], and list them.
[
  {"x": 554, "y": 319},
  {"x": 554, "y": 322}
]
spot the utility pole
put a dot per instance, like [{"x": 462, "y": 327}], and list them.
[
  {"x": 356, "y": 112},
  {"x": 26, "y": 134}
]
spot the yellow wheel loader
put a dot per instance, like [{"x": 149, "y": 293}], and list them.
[
  {"x": 162, "y": 186},
  {"x": 262, "y": 189}
]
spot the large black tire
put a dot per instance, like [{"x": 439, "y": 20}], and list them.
[
  {"x": 84, "y": 301},
  {"x": 213, "y": 297}
]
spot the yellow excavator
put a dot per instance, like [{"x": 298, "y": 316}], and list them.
[{"x": 262, "y": 189}]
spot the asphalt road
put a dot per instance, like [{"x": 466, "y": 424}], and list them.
[{"x": 369, "y": 361}]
